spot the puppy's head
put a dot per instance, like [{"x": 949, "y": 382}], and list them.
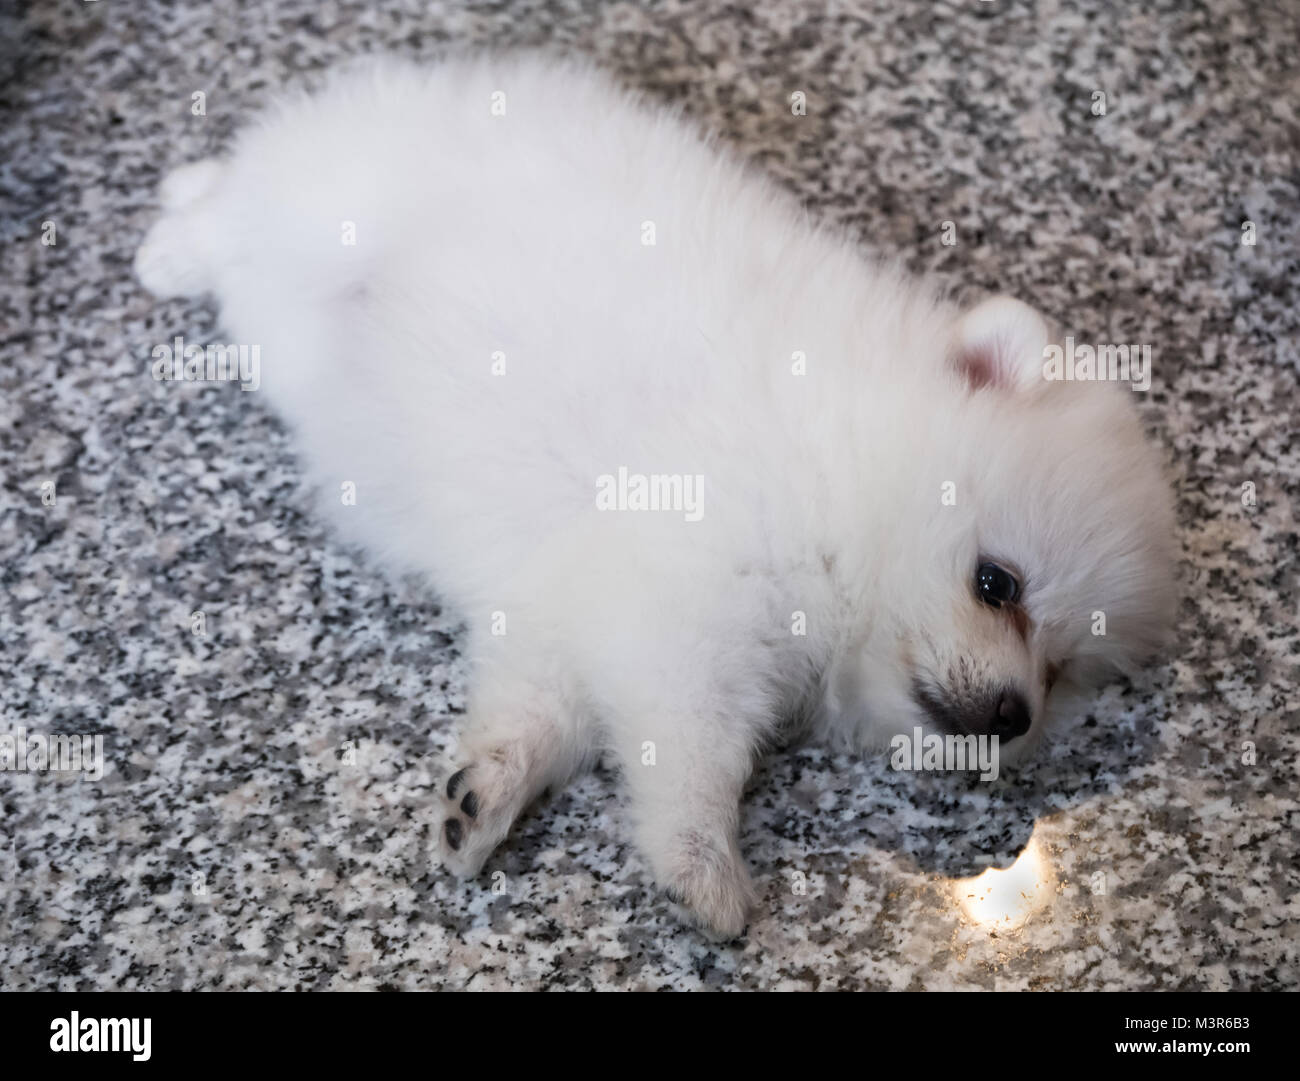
[{"x": 1033, "y": 551}]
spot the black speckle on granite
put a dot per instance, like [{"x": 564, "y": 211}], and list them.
[{"x": 269, "y": 817}]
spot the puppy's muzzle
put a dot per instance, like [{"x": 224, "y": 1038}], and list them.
[{"x": 1003, "y": 713}]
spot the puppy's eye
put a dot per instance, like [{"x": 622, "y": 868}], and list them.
[{"x": 995, "y": 585}]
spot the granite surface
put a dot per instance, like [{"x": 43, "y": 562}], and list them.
[{"x": 266, "y": 819}]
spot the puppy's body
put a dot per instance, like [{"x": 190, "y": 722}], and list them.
[{"x": 550, "y": 282}]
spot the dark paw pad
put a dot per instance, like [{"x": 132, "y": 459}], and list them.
[
  {"x": 470, "y": 804},
  {"x": 454, "y": 782},
  {"x": 453, "y": 831}
]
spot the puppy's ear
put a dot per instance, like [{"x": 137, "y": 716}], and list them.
[{"x": 1000, "y": 343}]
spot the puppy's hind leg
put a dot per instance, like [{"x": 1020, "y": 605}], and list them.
[
  {"x": 176, "y": 255},
  {"x": 187, "y": 184},
  {"x": 523, "y": 735}
]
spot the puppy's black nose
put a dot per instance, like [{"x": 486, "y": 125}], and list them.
[{"x": 1012, "y": 717}]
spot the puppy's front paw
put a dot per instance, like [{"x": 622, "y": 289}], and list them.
[
  {"x": 709, "y": 880},
  {"x": 478, "y": 808}
]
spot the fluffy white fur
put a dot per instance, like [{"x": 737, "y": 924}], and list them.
[{"x": 639, "y": 632}]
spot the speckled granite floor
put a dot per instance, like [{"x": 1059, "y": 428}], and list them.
[{"x": 236, "y": 842}]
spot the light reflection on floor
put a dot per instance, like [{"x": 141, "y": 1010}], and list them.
[{"x": 1005, "y": 899}]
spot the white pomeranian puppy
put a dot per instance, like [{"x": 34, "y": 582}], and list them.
[{"x": 695, "y": 471}]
